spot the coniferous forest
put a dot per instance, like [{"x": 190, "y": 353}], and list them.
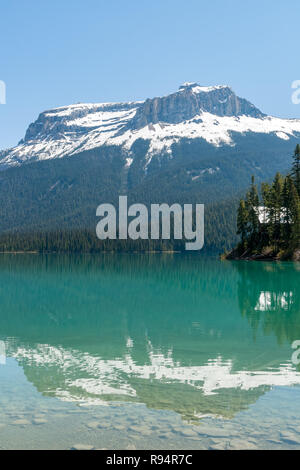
[
  {"x": 268, "y": 224},
  {"x": 268, "y": 221},
  {"x": 84, "y": 240}
]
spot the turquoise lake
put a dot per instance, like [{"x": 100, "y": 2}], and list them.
[{"x": 148, "y": 352}]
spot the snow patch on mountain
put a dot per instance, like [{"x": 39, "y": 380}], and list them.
[
  {"x": 69, "y": 130},
  {"x": 107, "y": 128}
]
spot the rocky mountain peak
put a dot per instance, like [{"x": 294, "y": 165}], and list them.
[
  {"x": 214, "y": 114},
  {"x": 196, "y": 87},
  {"x": 191, "y": 100},
  {"x": 186, "y": 85}
]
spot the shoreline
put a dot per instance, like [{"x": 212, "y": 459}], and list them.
[
  {"x": 248, "y": 256},
  {"x": 35, "y": 252}
]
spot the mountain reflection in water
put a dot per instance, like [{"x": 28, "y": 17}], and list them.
[{"x": 189, "y": 334}]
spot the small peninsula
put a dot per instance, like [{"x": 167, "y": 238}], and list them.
[{"x": 268, "y": 221}]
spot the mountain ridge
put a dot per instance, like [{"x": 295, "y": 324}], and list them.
[
  {"x": 212, "y": 114},
  {"x": 75, "y": 157}
]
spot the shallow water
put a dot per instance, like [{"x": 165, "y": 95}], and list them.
[{"x": 148, "y": 352}]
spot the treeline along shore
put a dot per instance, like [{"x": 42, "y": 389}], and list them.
[
  {"x": 267, "y": 219},
  {"x": 219, "y": 235}
]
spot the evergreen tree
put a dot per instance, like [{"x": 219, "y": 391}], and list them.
[
  {"x": 252, "y": 207},
  {"x": 277, "y": 226},
  {"x": 287, "y": 203},
  {"x": 242, "y": 221},
  {"x": 295, "y": 215},
  {"x": 266, "y": 192},
  {"x": 296, "y": 169},
  {"x": 276, "y": 209}
]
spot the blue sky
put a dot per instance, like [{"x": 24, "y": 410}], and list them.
[{"x": 55, "y": 53}]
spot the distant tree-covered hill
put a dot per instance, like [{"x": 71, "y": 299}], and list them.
[{"x": 63, "y": 194}]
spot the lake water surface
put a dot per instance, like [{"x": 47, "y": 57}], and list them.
[{"x": 148, "y": 352}]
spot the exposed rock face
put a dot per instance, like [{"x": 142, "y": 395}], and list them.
[
  {"x": 185, "y": 104},
  {"x": 296, "y": 255},
  {"x": 190, "y": 101},
  {"x": 211, "y": 114}
]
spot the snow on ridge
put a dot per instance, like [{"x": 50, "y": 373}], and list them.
[
  {"x": 196, "y": 88},
  {"x": 89, "y": 107},
  {"x": 207, "y": 89},
  {"x": 214, "y": 129},
  {"x": 84, "y": 127},
  {"x": 100, "y": 118},
  {"x": 88, "y": 126}
]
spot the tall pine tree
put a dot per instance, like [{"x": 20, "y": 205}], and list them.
[
  {"x": 296, "y": 169},
  {"x": 252, "y": 207},
  {"x": 242, "y": 222}
]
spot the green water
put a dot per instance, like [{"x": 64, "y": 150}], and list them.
[{"x": 145, "y": 352}]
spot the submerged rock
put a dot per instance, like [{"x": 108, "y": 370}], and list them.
[
  {"x": 94, "y": 425},
  {"x": 21, "y": 422},
  {"x": 38, "y": 421},
  {"x": 82, "y": 447}
]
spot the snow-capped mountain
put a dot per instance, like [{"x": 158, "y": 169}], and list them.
[
  {"x": 213, "y": 114},
  {"x": 198, "y": 145}
]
